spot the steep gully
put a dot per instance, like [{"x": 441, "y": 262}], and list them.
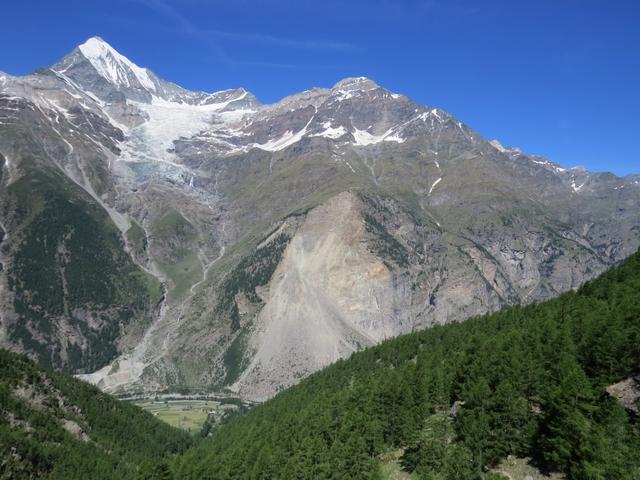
[{"x": 128, "y": 368}]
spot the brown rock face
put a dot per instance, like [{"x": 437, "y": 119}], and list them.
[{"x": 627, "y": 392}]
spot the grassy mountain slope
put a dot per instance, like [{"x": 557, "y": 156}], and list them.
[
  {"x": 78, "y": 295},
  {"x": 527, "y": 381},
  {"x": 53, "y": 426}
]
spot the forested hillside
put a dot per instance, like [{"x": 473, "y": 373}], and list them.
[
  {"x": 451, "y": 402},
  {"x": 455, "y": 400},
  {"x": 56, "y": 427}
]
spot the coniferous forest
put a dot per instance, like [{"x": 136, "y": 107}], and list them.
[
  {"x": 527, "y": 381},
  {"x": 54, "y": 426},
  {"x": 452, "y": 400}
]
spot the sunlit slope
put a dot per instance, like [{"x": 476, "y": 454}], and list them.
[{"x": 456, "y": 399}]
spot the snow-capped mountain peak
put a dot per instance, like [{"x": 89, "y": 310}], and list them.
[
  {"x": 115, "y": 67},
  {"x": 356, "y": 83},
  {"x": 97, "y": 68}
]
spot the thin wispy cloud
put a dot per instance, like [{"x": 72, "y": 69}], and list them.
[
  {"x": 289, "y": 66},
  {"x": 265, "y": 39},
  {"x": 187, "y": 26},
  {"x": 385, "y": 11},
  {"x": 214, "y": 37}
]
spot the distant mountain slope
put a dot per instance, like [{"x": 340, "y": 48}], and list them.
[
  {"x": 456, "y": 399},
  {"x": 259, "y": 243},
  {"x": 53, "y": 426},
  {"x": 78, "y": 297}
]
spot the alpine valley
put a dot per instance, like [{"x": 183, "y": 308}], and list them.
[{"x": 159, "y": 239}]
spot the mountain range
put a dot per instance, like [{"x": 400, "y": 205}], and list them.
[{"x": 155, "y": 238}]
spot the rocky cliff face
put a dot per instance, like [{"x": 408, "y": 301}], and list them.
[
  {"x": 328, "y": 297},
  {"x": 244, "y": 246}
]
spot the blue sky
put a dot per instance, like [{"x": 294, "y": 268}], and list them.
[{"x": 557, "y": 78}]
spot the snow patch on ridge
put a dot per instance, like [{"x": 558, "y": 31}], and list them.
[
  {"x": 330, "y": 132},
  {"x": 287, "y": 139},
  {"x": 577, "y": 188},
  {"x": 549, "y": 165},
  {"x": 434, "y": 185},
  {"x": 498, "y": 146},
  {"x": 8, "y": 166},
  {"x": 364, "y": 138}
]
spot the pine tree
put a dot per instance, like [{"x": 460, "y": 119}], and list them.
[{"x": 567, "y": 422}]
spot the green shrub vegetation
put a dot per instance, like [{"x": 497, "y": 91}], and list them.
[
  {"x": 174, "y": 234},
  {"x": 137, "y": 240},
  {"x": 252, "y": 271},
  {"x": 235, "y": 359},
  {"x": 382, "y": 243}
]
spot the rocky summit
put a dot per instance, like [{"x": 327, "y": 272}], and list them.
[{"x": 154, "y": 238}]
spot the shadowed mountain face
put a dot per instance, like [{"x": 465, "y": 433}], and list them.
[{"x": 154, "y": 237}]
